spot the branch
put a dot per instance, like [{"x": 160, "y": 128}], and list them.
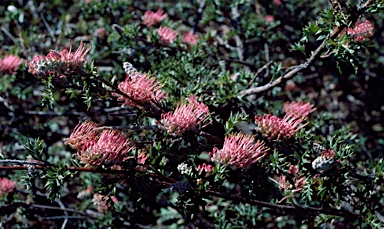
[
  {"x": 296, "y": 209},
  {"x": 286, "y": 76}
]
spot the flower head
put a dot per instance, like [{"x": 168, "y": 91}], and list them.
[
  {"x": 167, "y": 35},
  {"x": 269, "y": 18},
  {"x": 10, "y": 63},
  {"x": 151, "y": 18},
  {"x": 190, "y": 38},
  {"x": 141, "y": 88},
  {"x": 361, "y": 30},
  {"x": 186, "y": 117},
  {"x": 274, "y": 127},
  {"x": 292, "y": 186},
  {"x": 277, "y": 2},
  {"x": 325, "y": 161},
  {"x": 111, "y": 148},
  {"x": 63, "y": 64},
  {"x": 83, "y": 136},
  {"x": 6, "y": 186},
  {"x": 204, "y": 168},
  {"x": 299, "y": 109},
  {"x": 239, "y": 151},
  {"x": 94, "y": 148}
]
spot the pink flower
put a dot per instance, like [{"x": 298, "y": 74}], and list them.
[
  {"x": 111, "y": 148},
  {"x": 191, "y": 38},
  {"x": 239, "y": 151},
  {"x": 299, "y": 109},
  {"x": 10, "y": 63},
  {"x": 288, "y": 188},
  {"x": 6, "y": 186},
  {"x": 100, "y": 33},
  {"x": 141, "y": 88},
  {"x": 293, "y": 169},
  {"x": 167, "y": 35},
  {"x": 277, "y": 2},
  {"x": 101, "y": 203},
  {"x": 269, "y": 18},
  {"x": 205, "y": 168},
  {"x": 63, "y": 64},
  {"x": 83, "y": 136},
  {"x": 186, "y": 117},
  {"x": 151, "y": 18},
  {"x": 361, "y": 30},
  {"x": 274, "y": 127},
  {"x": 141, "y": 158}
]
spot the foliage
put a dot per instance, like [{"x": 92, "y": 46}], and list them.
[{"x": 224, "y": 70}]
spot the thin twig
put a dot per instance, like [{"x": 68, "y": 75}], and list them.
[
  {"x": 22, "y": 162},
  {"x": 293, "y": 70},
  {"x": 297, "y": 209},
  {"x": 259, "y": 71},
  {"x": 198, "y": 15},
  {"x": 9, "y": 34},
  {"x": 50, "y": 31},
  {"x": 131, "y": 127}
]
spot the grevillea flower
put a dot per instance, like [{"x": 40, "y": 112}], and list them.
[
  {"x": 269, "y": 18},
  {"x": 63, "y": 64},
  {"x": 204, "y": 168},
  {"x": 111, "y": 148},
  {"x": 186, "y": 117},
  {"x": 140, "y": 87},
  {"x": 299, "y": 109},
  {"x": 141, "y": 158},
  {"x": 167, "y": 35},
  {"x": 239, "y": 151},
  {"x": 83, "y": 136},
  {"x": 6, "y": 186},
  {"x": 293, "y": 169},
  {"x": 190, "y": 38},
  {"x": 274, "y": 127},
  {"x": 151, "y": 18},
  {"x": 94, "y": 148},
  {"x": 101, "y": 203},
  {"x": 288, "y": 188},
  {"x": 10, "y": 63},
  {"x": 361, "y": 31},
  {"x": 277, "y": 2},
  {"x": 325, "y": 161}
]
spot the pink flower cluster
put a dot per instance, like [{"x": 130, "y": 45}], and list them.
[
  {"x": 274, "y": 127},
  {"x": 141, "y": 88},
  {"x": 289, "y": 189},
  {"x": 6, "y": 186},
  {"x": 10, "y": 63},
  {"x": 94, "y": 148},
  {"x": 151, "y": 18},
  {"x": 186, "y": 117},
  {"x": 167, "y": 35},
  {"x": 287, "y": 186},
  {"x": 63, "y": 64},
  {"x": 190, "y": 38},
  {"x": 361, "y": 31},
  {"x": 239, "y": 151},
  {"x": 101, "y": 203},
  {"x": 204, "y": 168},
  {"x": 299, "y": 109}
]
